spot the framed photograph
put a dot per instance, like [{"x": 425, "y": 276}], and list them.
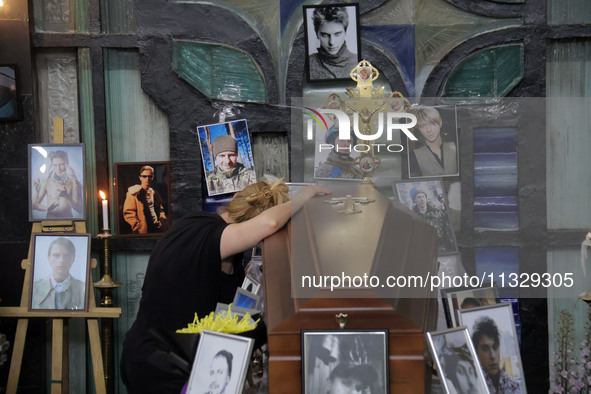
[
  {"x": 427, "y": 199},
  {"x": 455, "y": 299},
  {"x": 60, "y": 269},
  {"x": 57, "y": 182},
  {"x": 456, "y": 361},
  {"x": 251, "y": 284},
  {"x": 333, "y": 46},
  {"x": 9, "y": 103},
  {"x": 221, "y": 363},
  {"x": 246, "y": 299},
  {"x": 492, "y": 329},
  {"x": 143, "y": 198},
  {"x": 236, "y": 311},
  {"x": 342, "y": 361},
  {"x": 227, "y": 156},
  {"x": 436, "y": 153}
]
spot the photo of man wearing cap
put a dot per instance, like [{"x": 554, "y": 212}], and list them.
[{"x": 229, "y": 175}]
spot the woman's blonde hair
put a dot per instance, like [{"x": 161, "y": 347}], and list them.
[{"x": 256, "y": 198}]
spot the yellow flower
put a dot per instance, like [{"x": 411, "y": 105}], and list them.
[{"x": 222, "y": 322}]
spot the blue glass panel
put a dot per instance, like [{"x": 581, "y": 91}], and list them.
[
  {"x": 498, "y": 261},
  {"x": 495, "y": 179},
  {"x": 399, "y": 40}
]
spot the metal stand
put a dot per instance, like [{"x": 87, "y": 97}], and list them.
[{"x": 106, "y": 286}]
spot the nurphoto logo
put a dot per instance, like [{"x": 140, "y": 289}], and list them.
[{"x": 344, "y": 126}]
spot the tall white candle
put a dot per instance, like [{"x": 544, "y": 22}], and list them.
[{"x": 105, "y": 210}]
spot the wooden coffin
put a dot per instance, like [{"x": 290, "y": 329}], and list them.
[{"x": 384, "y": 239}]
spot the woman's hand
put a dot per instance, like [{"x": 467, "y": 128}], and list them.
[{"x": 306, "y": 193}]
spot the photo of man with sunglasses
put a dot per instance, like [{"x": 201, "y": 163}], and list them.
[{"x": 143, "y": 209}]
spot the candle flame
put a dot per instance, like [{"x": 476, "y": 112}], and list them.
[
  {"x": 1, "y": 3},
  {"x": 103, "y": 195}
]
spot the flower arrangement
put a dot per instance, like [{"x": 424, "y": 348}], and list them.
[
  {"x": 227, "y": 322},
  {"x": 572, "y": 374}
]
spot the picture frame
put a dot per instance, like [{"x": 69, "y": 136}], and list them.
[
  {"x": 236, "y": 310},
  {"x": 337, "y": 37},
  {"x": 437, "y": 124},
  {"x": 226, "y": 172},
  {"x": 458, "y": 298},
  {"x": 134, "y": 189},
  {"x": 10, "y": 107},
  {"x": 246, "y": 299},
  {"x": 57, "y": 182},
  {"x": 251, "y": 284},
  {"x": 496, "y": 319},
  {"x": 328, "y": 363},
  {"x": 432, "y": 208},
  {"x": 456, "y": 361},
  {"x": 60, "y": 269},
  {"x": 216, "y": 352}
]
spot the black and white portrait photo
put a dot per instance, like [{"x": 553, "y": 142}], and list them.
[
  {"x": 345, "y": 361},
  {"x": 332, "y": 40},
  {"x": 456, "y": 362},
  {"x": 220, "y": 363},
  {"x": 57, "y": 182},
  {"x": 60, "y": 269}
]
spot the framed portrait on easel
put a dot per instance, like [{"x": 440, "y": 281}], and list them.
[
  {"x": 59, "y": 271},
  {"x": 57, "y": 182}
]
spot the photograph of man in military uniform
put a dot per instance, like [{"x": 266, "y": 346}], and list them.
[
  {"x": 227, "y": 157},
  {"x": 421, "y": 197}
]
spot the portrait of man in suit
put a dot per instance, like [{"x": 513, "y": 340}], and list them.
[{"x": 54, "y": 283}]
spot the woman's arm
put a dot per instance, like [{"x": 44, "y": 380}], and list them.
[{"x": 238, "y": 237}]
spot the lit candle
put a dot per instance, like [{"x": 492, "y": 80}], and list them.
[
  {"x": 588, "y": 237},
  {"x": 105, "y": 210}
]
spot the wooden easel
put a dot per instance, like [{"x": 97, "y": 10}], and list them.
[{"x": 59, "y": 348}]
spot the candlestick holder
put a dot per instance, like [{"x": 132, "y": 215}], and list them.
[{"x": 106, "y": 286}]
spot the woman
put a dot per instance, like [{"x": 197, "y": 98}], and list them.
[
  {"x": 434, "y": 157},
  {"x": 195, "y": 265}
]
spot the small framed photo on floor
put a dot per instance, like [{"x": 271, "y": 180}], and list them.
[
  {"x": 455, "y": 299},
  {"x": 221, "y": 363},
  {"x": 246, "y": 299},
  {"x": 339, "y": 361},
  {"x": 456, "y": 361},
  {"x": 495, "y": 340},
  {"x": 59, "y": 272}
]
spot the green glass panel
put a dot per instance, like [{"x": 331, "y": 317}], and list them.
[
  {"x": 81, "y": 16},
  {"x": 489, "y": 73},
  {"x": 117, "y": 16},
  {"x": 219, "y": 72},
  {"x": 87, "y": 132},
  {"x": 568, "y": 11},
  {"x": 568, "y": 90},
  {"x": 137, "y": 130}
]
